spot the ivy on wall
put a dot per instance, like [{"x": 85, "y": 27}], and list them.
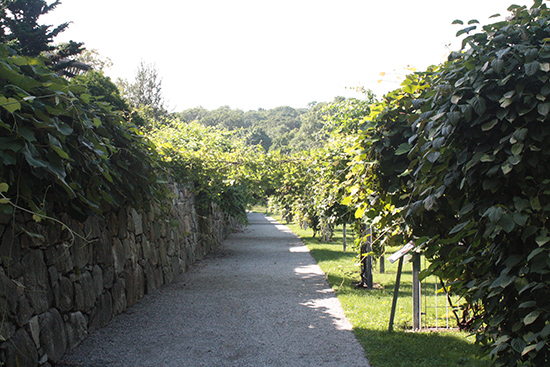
[{"x": 61, "y": 149}]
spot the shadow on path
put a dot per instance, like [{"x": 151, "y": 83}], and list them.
[{"x": 261, "y": 300}]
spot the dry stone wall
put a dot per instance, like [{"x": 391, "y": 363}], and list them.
[{"x": 56, "y": 289}]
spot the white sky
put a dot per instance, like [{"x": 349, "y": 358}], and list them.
[{"x": 252, "y": 54}]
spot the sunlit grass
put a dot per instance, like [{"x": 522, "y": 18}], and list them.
[{"x": 369, "y": 310}]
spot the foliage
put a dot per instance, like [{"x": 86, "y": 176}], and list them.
[
  {"x": 457, "y": 157},
  {"x": 145, "y": 90},
  {"x": 19, "y": 29},
  {"x": 223, "y": 171},
  {"x": 96, "y": 61},
  {"x": 100, "y": 86},
  {"x": 284, "y": 129},
  {"x": 59, "y": 150}
]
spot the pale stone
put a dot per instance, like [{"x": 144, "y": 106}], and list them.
[
  {"x": 64, "y": 294},
  {"x": 53, "y": 337},
  {"x": 77, "y": 330},
  {"x": 34, "y": 328},
  {"x": 137, "y": 222},
  {"x": 118, "y": 294},
  {"x": 119, "y": 255}
]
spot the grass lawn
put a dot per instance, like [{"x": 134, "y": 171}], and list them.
[{"x": 369, "y": 311}]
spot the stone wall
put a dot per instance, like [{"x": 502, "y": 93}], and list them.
[{"x": 55, "y": 288}]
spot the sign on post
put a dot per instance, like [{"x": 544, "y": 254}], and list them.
[{"x": 398, "y": 255}]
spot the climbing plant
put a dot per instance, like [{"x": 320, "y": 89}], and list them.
[
  {"x": 221, "y": 169},
  {"x": 459, "y": 158},
  {"x": 61, "y": 150}
]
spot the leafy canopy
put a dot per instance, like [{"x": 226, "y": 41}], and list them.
[{"x": 458, "y": 157}]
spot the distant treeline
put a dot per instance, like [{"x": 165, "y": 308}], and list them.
[{"x": 284, "y": 128}]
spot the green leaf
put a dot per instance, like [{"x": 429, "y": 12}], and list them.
[
  {"x": 518, "y": 345},
  {"x": 10, "y": 104},
  {"x": 531, "y": 68},
  {"x": 457, "y": 21},
  {"x": 489, "y": 125},
  {"x": 347, "y": 200},
  {"x": 528, "y": 304},
  {"x": 506, "y": 168},
  {"x": 4, "y": 187},
  {"x": 459, "y": 227},
  {"x": 507, "y": 222},
  {"x": 432, "y": 157},
  {"x": 543, "y": 108},
  {"x": 31, "y": 160},
  {"x": 535, "y": 203},
  {"x": 520, "y": 219},
  {"x": 360, "y": 211},
  {"x": 6, "y": 209},
  {"x": 60, "y": 152},
  {"x": 34, "y": 235},
  {"x": 527, "y": 349},
  {"x": 64, "y": 129},
  {"x": 403, "y": 149},
  {"x": 517, "y": 148},
  {"x": 531, "y": 317},
  {"x": 466, "y": 209},
  {"x": 429, "y": 202},
  {"x": 85, "y": 98},
  {"x": 534, "y": 253},
  {"x": 542, "y": 240},
  {"x": 505, "y": 102},
  {"x": 479, "y": 105}
]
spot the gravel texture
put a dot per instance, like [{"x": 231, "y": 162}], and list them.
[{"x": 261, "y": 300}]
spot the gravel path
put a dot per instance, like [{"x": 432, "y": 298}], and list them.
[{"x": 259, "y": 301}]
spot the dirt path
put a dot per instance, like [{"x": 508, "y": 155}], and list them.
[{"x": 260, "y": 301}]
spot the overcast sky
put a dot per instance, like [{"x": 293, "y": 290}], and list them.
[{"x": 252, "y": 54}]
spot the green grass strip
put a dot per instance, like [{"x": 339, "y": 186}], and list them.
[{"x": 369, "y": 311}]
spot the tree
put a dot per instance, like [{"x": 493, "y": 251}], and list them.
[
  {"x": 224, "y": 118},
  {"x": 145, "y": 90},
  {"x": 256, "y": 136},
  {"x": 94, "y": 60},
  {"x": 20, "y": 28},
  {"x": 20, "y": 31}
]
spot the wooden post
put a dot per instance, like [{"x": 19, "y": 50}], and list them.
[
  {"x": 382, "y": 265},
  {"x": 395, "y": 293},
  {"x": 344, "y": 236},
  {"x": 416, "y": 292},
  {"x": 369, "y": 280}
]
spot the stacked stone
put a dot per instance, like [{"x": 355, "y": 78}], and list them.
[{"x": 56, "y": 289}]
